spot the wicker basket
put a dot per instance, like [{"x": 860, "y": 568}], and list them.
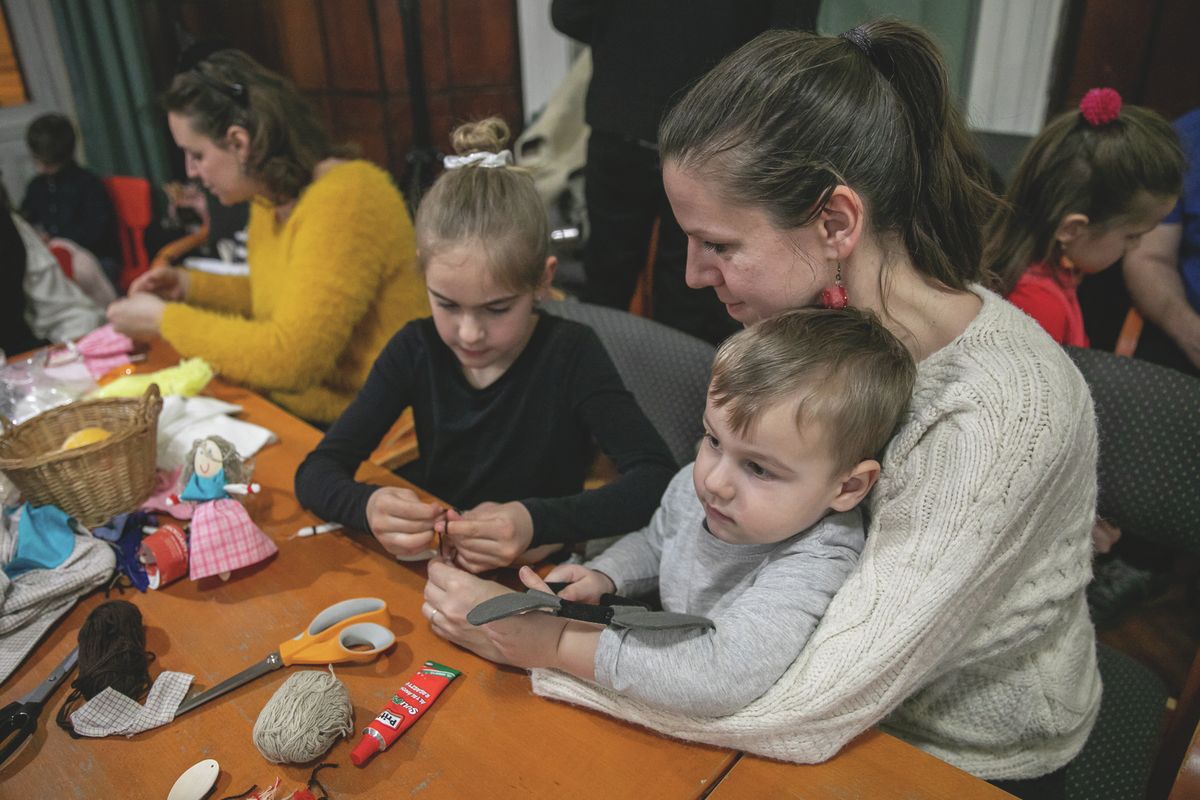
[{"x": 94, "y": 482}]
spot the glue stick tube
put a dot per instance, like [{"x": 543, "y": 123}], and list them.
[{"x": 407, "y": 706}]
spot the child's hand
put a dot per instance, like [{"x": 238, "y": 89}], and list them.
[
  {"x": 584, "y": 585},
  {"x": 400, "y": 521},
  {"x": 490, "y": 535}
]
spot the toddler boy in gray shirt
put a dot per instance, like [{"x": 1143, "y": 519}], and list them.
[{"x": 758, "y": 534}]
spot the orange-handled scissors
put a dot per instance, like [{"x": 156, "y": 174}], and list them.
[{"x": 352, "y": 630}]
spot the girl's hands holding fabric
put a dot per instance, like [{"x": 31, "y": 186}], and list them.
[
  {"x": 138, "y": 316},
  {"x": 400, "y": 521},
  {"x": 169, "y": 283},
  {"x": 584, "y": 585},
  {"x": 490, "y": 535},
  {"x": 449, "y": 594}
]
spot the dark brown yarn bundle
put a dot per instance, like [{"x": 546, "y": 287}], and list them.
[{"x": 112, "y": 653}]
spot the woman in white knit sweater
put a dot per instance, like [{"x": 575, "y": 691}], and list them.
[{"x": 811, "y": 169}]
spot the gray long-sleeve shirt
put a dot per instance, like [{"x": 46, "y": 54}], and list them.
[{"x": 765, "y": 599}]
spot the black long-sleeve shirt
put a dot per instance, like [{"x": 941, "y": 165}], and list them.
[
  {"x": 73, "y": 203},
  {"x": 15, "y": 335},
  {"x": 528, "y": 436},
  {"x": 646, "y": 52}
]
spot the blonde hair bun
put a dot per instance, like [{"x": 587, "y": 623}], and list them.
[{"x": 486, "y": 135}]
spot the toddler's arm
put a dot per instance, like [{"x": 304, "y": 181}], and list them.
[{"x": 757, "y": 635}]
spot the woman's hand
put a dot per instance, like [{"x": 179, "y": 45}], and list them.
[
  {"x": 583, "y": 585},
  {"x": 1104, "y": 535},
  {"x": 169, "y": 283},
  {"x": 449, "y": 594},
  {"x": 400, "y": 521},
  {"x": 138, "y": 316},
  {"x": 490, "y": 535}
]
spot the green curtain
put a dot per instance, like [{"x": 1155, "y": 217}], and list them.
[{"x": 103, "y": 46}]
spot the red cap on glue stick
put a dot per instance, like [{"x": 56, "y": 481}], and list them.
[{"x": 370, "y": 744}]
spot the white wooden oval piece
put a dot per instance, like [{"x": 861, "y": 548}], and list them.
[{"x": 196, "y": 781}]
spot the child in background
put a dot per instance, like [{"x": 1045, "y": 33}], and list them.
[
  {"x": 66, "y": 200},
  {"x": 1086, "y": 190},
  {"x": 507, "y": 401},
  {"x": 757, "y": 535}
]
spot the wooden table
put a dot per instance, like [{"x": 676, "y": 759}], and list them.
[
  {"x": 488, "y": 734},
  {"x": 874, "y": 765}
]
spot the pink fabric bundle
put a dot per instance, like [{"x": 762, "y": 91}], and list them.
[
  {"x": 103, "y": 349},
  {"x": 164, "y": 487},
  {"x": 224, "y": 538}
]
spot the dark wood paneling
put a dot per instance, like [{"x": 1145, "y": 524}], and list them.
[
  {"x": 481, "y": 46},
  {"x": 1143, "y": 50},
  {"x": 1112, "y": 44},
  {"x": 361, "y": 120},
  {"x": 352, "y": 57},
  {"x": 391, "y": 41},
  {"x": 1172, "y": 78},
  {"x": 472, "y": 104},
  {"x": 301, "y": 50},
  {"x": 348, "y": 57}
]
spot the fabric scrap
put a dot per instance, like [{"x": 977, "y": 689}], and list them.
[{"x": 111, "y": 713}]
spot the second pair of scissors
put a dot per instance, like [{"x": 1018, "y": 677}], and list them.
[{"x": 352, "y": 630}]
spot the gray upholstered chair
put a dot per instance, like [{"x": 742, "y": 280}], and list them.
[
  {"x": 1149, "y": 480},
  {"x": 666, "y": 370}
]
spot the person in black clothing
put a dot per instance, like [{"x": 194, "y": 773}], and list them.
[
  {"x": 644, "y": 54},
  {"x": 15, "y": 334},
  {"x": 65, "y": 200},
  {"x": 507, "y": 401}
]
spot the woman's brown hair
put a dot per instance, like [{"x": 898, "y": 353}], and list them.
[
  {"x": 287, "y": 139},
  {"x": 789, "y": 116},
  {"x": 494, "y": 207},
  {"x": 1074, "y": 167}
]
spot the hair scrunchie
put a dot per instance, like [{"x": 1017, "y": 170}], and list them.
[
  {"x": 482, "y": 158},
  {"x": 1100, "y": 106},
  {"x": 858, "y": 37}
]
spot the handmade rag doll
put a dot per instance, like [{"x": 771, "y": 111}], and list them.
[{"x": 223, "y": 537}]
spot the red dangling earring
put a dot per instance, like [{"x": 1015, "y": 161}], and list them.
[{"x": 835, "y": 296}]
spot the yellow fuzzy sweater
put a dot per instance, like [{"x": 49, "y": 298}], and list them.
[{"x": 327, "y": 289}]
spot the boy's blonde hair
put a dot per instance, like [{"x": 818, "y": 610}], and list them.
[
  {"x": 496, "y": 208},
  {"x": 843, "y": 368}
]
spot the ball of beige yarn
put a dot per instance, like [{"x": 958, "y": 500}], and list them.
[{"x": 304, "y": 717}]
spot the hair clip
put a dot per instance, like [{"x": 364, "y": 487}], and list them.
[
  {"x": 1100, "y": 106},
  {"x": 234, "y": 91},
  {"x": 482, "y": 158}
]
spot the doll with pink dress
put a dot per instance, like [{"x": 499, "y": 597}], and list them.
[{"x": 222, "y": 537}]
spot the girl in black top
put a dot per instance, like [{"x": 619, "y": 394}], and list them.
[{"x": 507, "y": 401}]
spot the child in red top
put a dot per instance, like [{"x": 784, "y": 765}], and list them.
[{"x": 1089, "y": 186}]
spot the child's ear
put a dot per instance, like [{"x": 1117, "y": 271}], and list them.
[
  {"x": 1072, "y": 227},
  {"x": 855, "y": 485},
  {"x": 547, "y": 277}
]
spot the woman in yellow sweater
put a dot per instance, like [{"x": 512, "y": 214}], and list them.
[{"x": 331, "y": 248}]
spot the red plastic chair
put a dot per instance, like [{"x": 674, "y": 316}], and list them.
[
  {"x": 131, "y": 199},
  {"x": 64, "y": 259}
]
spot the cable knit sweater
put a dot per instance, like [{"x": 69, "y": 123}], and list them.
[
  {"x": 326, "y": 291},
  {"x": 963, "y": 629}
]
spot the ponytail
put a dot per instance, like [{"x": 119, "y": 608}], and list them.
[
  {"x": 1075, "y": 166},
  {"x": 789, "y": 116}
]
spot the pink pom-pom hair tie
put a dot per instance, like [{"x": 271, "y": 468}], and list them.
[{"x": 1100, "y": 106}]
